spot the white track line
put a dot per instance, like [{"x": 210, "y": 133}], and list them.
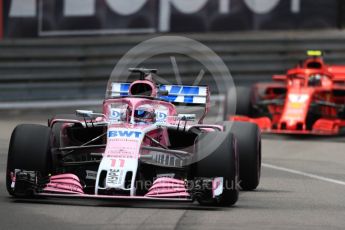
[{"x": 304, "y": 174}]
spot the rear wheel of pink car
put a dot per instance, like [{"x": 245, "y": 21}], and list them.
[
  {"x": 221, "y": 162},
  {"x": 243, "y": 102},
  {"x": 29, "y": 150},
  {"x": 248, "y": 136}
]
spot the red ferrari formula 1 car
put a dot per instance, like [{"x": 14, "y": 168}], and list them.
[
  {"x": 139, "y": 148},
  {"x": 308, "y": 99}
]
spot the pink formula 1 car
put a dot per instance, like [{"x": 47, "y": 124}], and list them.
[{"x": 138, "y": 148}]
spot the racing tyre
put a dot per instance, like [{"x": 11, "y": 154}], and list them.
[
  {"x": 29, "y": 150},
  {"x": 248, "y": 136},
  {"x": 243, "y": 102},
  {"x": 57, "y": 127},
  {"x": 222, "y": 162}
]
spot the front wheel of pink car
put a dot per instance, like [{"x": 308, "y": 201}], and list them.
[
  {"x": 222, "y": 162},
  {"x": 29, "y": 150}
]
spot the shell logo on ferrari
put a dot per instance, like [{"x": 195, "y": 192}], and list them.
[{"x": 297, "y": 102}]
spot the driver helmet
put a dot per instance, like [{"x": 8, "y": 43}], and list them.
[
  {"x": 144, "y": 115},
  {"x": 315, "y": 80}
]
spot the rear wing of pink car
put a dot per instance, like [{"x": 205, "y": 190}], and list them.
[
  {"x": 176, "y": 94},
  {"x": 189, "y": 95}
]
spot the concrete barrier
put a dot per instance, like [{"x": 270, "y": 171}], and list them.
[{"x": 77, "y": 68}]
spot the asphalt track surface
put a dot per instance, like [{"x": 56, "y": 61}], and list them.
[{"x": 302, "y": 187}]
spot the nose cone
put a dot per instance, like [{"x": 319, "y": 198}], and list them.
[{"x": 296, "y": 109}]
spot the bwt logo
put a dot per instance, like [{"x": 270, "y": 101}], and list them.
[{"x": 124, "y": 133}]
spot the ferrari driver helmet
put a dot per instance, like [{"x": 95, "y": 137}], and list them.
[{"x": 314, "y": 80}]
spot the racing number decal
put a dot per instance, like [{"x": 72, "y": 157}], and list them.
[
  {"x": 296, "y": 107},
  {"x": 115, "y": 175},
  {"x": 297, "y": 103},
  {"x": 113, "y": 163},
  {"x": 296, "y": 98}
]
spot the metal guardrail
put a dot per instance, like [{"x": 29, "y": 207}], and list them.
[{"x": 78, "y": 68}]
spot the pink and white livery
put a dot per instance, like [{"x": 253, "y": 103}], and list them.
[{"x": 138, "y": 148}]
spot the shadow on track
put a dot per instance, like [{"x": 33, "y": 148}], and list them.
[
  {"x": 294, "y": 137},
  {"x": 119, "y": 204}
]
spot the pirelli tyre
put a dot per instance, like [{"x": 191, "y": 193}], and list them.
[
  {"x": 222, "y": 162},
  {"x": 29, "y": 150},
  {"x": 248, "y": 137},
  {"x": 243, "y": 102},
  {"x": 56, "y": 129}
]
